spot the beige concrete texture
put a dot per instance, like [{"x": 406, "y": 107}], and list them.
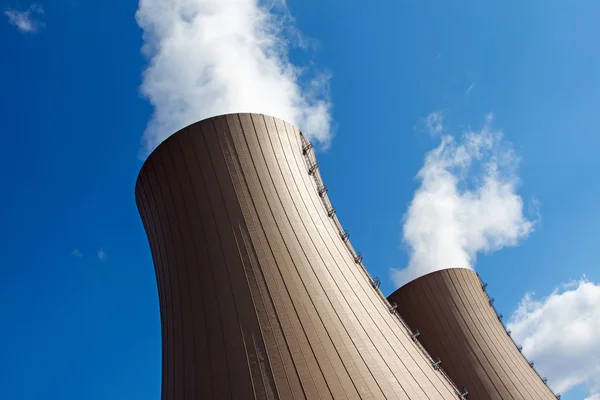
[
  {"x": 458, "y": 325},
  {"x": 261, "y": 294}
]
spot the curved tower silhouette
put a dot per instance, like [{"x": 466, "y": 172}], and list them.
[
  {"x": 261, "y": 294},
  {"x": 459, "y": 325}
]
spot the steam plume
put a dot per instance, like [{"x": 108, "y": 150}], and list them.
[
  {"x": 466, "y": 204},
  {"x": 210, "y": 57}
]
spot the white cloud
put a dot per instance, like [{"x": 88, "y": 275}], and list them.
[
  {"x": 26, "y": 21},
  {"x": 434, "y": 123},
  {"x": 471, "y": 87},
  {"x": 466, "y": 204},
  {"x": 209, "y": 57},
  {"x": 561, "y": 333},
  {"x": 101, "y": 255},
  {"x": 76, "y": 253}
]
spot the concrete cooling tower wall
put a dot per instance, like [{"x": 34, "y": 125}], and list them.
[
  {"x": 458, "y": 325},
  {"x": 261, "y": 294}
]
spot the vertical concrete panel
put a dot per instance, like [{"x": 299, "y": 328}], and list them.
[
  {"x": 488, "y": 341},
  {"x": 304, "y": 279},
  {"x": 464, "y": 324},
  {"x": 173, "y": 316},
  {"x": 260, "y": 296},
  {"x": 458, "y": 325},
  {"x": 279, "y": 171},
  {"x": 143, "y": 201},
  {"x": 441, "y": 331},
  {"x": 283, "y": 267},
  {"x": 330, "y": 255},
  {"x": 531, "y": 384},
  {"x": 217, "y": 356}
]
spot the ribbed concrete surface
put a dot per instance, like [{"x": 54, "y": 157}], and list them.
[
  {"x": 259, "y": 296},
  {"x": 458, "y": 325}
]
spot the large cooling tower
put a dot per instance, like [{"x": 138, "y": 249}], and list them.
[
  {"x": 458, "y": 325},
  {"x": 261, "y": 294}
]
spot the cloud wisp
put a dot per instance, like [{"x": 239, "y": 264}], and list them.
[
  {"x": 471, "y": 87},
  {"x": 26, "y": 21},
  {"x": 467, "y": 202},
  {"x": 101, "y": 255},
  {"x": 434, "y": 123},
  {"x": 76, "y": 253},
  {"x": 561, "y": 334},
  {"x": 210, "y": 57}
]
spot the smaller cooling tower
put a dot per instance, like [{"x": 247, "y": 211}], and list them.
[{"x": 459, "y": 325}]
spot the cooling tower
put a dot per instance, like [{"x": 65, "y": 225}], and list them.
[
  {"x": 458, "y": 325},
  {"x": 261, "y": 294}
]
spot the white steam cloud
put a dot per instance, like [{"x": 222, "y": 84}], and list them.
[
  {"x": 210, "y": 57},
  {"x": 466, "y": 204},
  {"x": 561, "y": 334}
]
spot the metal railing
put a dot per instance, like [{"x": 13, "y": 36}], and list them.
[{"x": 313, "y": 170}]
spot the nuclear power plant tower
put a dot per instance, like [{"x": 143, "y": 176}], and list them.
[
  {"x": 458, "y": 325},
  {"x": 262, "y": 296}
]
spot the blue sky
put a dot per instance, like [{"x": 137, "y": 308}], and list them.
[{"x": 77, "y": 287}]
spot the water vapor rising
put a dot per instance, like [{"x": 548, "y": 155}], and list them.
[
  {"x": 466, "y": 204},
  {"x": 210, "y": 57}
]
